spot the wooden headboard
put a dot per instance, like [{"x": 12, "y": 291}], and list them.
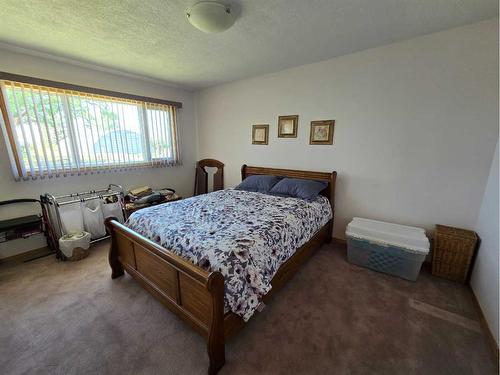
[{"x": 329, "y": 192}]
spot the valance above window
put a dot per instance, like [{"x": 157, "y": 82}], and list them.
[{"x": 52, "y": 131}]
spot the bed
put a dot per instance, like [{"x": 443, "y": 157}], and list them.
[{"x": 191, "y": 254}]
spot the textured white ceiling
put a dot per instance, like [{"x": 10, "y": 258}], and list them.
[{"x": 152, "y": 37}]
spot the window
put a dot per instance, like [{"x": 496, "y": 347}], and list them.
[{"x": 53, "y": 132}]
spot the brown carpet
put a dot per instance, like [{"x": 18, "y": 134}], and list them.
[{"x": 332, "y": 317}]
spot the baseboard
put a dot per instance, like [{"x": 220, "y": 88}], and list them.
[
  {"x": 26, "y": 256},
  {"x": 486, "y": 329},
  {"x": 339, "y": 241}
]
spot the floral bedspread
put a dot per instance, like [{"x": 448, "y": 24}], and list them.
[{"x": 246, "y": 236}]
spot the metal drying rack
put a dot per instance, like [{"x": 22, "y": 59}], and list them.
[{"x": 52, "y": 203}]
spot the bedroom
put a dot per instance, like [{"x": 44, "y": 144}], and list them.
[{"x": 409, "y": 91}]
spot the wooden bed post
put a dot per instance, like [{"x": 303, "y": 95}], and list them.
[
  {"x": 216, "y": 342},
  {"x": 243, "y": 171},
  {"x": 332, "y": 204},
  {"x": 114, "y": 262}
]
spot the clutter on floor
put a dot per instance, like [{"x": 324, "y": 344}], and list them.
[
  {"x": 80, "y": 216},
  {"x": 75, "y": 246}
]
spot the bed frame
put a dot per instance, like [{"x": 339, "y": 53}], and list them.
[{"x": 192, "y": 293}]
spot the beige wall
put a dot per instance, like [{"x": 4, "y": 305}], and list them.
[
  {"x": 416, "y": 125},
  {"x": 179, "y": 178},
  {"x": 485, "y": 279}
]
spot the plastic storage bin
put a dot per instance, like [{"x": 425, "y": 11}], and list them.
[{"x": 395, "y": 249}]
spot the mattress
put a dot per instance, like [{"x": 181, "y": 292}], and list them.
[{"x": 246, "y": 236}]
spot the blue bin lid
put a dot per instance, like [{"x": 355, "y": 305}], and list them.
[{"x": 409, "y": 238}]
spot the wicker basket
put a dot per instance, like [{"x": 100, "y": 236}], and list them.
[
  {"x": 453, "y": 252},
  {"x": 79, "y": 253}
]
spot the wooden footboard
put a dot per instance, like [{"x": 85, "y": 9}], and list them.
[
  {"x": 192, "y": 293},
  {"x": 189, "y": 291}
]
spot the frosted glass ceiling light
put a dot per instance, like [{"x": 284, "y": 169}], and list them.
[{"x": 210, "y": 16}]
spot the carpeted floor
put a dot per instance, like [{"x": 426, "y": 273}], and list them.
[{"x": 331, "y": 318}]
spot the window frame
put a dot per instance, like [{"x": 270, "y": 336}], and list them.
[{"x": 65, "y": 90}]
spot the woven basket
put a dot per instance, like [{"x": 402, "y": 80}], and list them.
[
  {"x": 79, "y": 253},
  {"x": 453, "y": 252}
]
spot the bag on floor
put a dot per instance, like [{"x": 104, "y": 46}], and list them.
[
  {"x": 93, "y": 218},
  {"x": 75, "y": 246}
]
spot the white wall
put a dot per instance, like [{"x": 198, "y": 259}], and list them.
[
  {"x": 179, "y": 178},
  {"x": 416, "y": 125},
  {"x": 484, "y": 280}
]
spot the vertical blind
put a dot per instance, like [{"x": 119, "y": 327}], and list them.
[{"x": 56, "y": 132}]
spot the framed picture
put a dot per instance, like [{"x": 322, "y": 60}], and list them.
[
  {"x": 322, "y": 132},
  {"x": 260, "y": 134},
  {"x": 287, "y": 126}
]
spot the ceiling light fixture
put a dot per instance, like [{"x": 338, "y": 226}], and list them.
[{"x": 210, "y": 16}]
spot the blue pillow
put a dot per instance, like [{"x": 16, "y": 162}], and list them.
[
  {"x": 299, "y": 188},
  {"x": 258, "y": 183}
]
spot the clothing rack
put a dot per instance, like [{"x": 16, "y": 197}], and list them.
[{"x": 51, "y": 204}]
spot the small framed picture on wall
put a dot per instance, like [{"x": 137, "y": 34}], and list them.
[
  {"x": 287, "y": 126},
  {"x": 321, "y": 132},
  {"x": 260, "y": 134}
]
